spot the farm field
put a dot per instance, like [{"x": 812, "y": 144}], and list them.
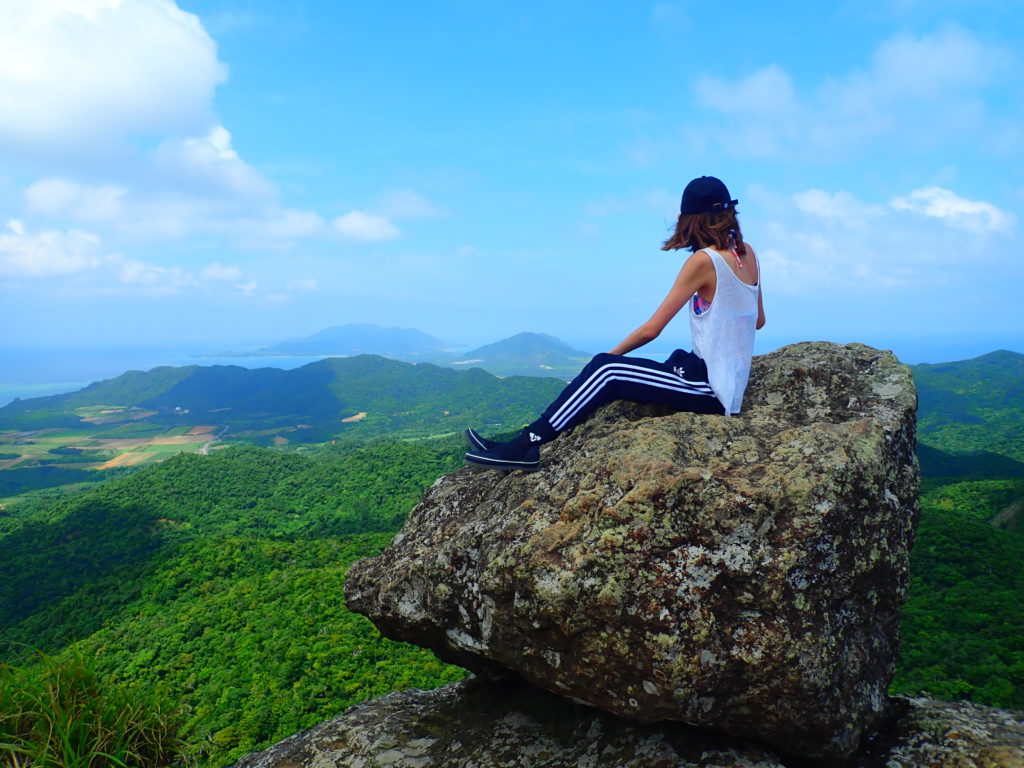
[
  {"x": 139, "y": 419},
  {"x": 86, "y": 450},
  {"x": 111, "y": 437}
]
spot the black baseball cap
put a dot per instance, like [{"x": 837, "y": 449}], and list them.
[{"x": 706, "y": 195}]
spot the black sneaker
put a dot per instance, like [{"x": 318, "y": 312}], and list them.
[
  {"x": 528, "y": 462},
  {"x": 479, "y": 443}
]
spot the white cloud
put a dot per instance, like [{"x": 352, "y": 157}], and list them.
[
  {"x": 769, "y": 91},
  {"x": 360, "y": 225},
  {"x": 975, "y": 216},
  {"x": 248, "y": 213},
  {"x": 46, "y": 253},
  {"x": 904, "y": 245},
  {"x": 841, "y": 207},
  {"x": 208, "y": 165},
  {"x": 784, "y": 270},
  {"x": 55, "y": 256},
  {"x": 154, "y": 278},
  {"x": 289, "y": 224},
  {"x": 302, "y": 284},
  {"x": 218, "y": 272},
  {"x": 60, "y": 197},
  {"x": 83, "y": 77},
  {"x": 930, "y": 66},
  {"x": 763, "y": 106},
  {"x": 917, "y": 92},
  {"x": 75, "y": 74},
  {"x": 406, "y": 204}
]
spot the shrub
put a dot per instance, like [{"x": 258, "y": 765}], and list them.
[{"x": 59, "y": 713}]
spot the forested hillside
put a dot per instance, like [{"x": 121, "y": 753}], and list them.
[
  {"x": 974, "y": 405},
  {"x": 963, "y": 626},
  {"x": 218, "y": 579},
  {"x": 141, "y": 418},
  {"x": 365, "y": 395}
]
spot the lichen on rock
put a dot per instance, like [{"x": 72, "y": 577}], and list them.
[
  {"x": 742, "y": 574},
  {"x": 477, "y": 724}
]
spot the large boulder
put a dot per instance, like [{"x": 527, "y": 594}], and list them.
[
  {"x": 742, "y": 574},
  {"x": 513, "y": 725}
]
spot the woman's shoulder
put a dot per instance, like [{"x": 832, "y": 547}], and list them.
[
  {"x": 752, "y": 258},
  {"x": 700, "y": 260}
]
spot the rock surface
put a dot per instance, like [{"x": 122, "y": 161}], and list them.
[
  {"x": 514, "y": 725},
  {"x": 742, "y": 574}
]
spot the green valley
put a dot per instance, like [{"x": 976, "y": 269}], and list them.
[
  {"x": 973, "y": 406},
  {"x": 215, "y": 581},
  {"x": 219, "y": 578},
  {"x": 143, "y": 417},
  {"x": 962, "y": 624}
]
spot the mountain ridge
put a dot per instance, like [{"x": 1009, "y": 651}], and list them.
[
  {"x": 390, "y": 394},
  {"x": 536, "y": 354},
  {"x": 523, "y": 354},
  {"x": 266, "y": 540},
  {"x": 359, "y": 339},
  {"x": 973, "y": 406}
]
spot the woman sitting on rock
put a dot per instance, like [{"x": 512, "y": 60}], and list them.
[{"x": 721, "y": 283}]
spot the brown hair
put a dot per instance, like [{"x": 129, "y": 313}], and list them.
[{"x": 720, "y": 230}]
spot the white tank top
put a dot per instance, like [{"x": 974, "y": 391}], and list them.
[{"x": 723, "y": 334}]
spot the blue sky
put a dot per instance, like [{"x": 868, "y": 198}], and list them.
[{"x": 218, "y": 173}]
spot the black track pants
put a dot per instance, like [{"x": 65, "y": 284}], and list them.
[{"x": 681, "y": 382}]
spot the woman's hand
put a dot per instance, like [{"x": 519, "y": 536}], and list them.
[{"x": 698, "y": 272}]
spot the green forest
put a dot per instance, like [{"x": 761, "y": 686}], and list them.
[
  {"x": 398, "y": 399},
  {"x": 219, "y": 579},
  {"x": 211, "y": 587}
]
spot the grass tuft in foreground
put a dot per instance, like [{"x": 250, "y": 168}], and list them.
[{"x": 62, "y": 714}]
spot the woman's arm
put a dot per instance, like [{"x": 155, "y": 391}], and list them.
[
  {"x": 697, "y": 272},
  {"x": 760, "y": 301}
]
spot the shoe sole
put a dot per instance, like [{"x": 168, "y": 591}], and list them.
[{"x": 508, "y": 466}]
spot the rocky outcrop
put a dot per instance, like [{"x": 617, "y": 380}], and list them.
[
  {"x": 742, "y": 574},
  {"x": 514, "y": 725}
]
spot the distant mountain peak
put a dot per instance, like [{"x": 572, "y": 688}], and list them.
[
  {"x": 532, "y": 336},
  {"x": 362, "y": 338},
  {"x": 1002, "y": 354},
  {"x": 536, "y": 354},
  {"x": 527, "y": 353}
]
